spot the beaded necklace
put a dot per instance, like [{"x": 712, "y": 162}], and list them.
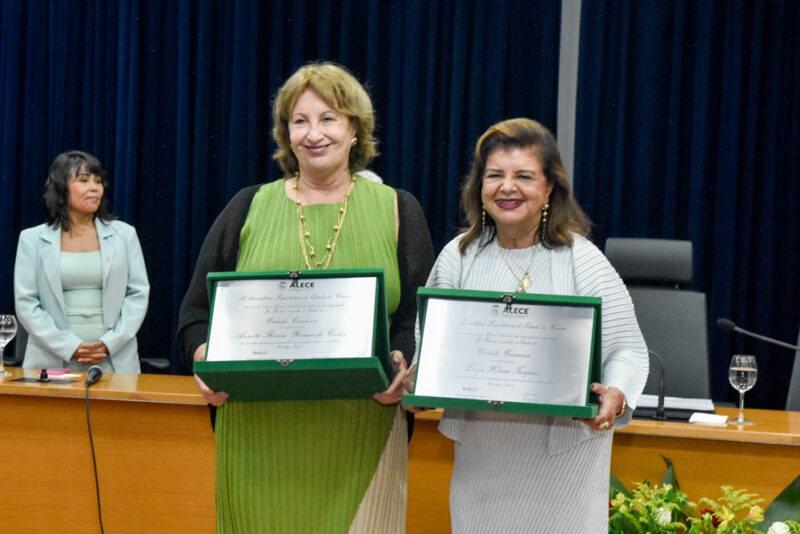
[{"x": 305, "y": 236}]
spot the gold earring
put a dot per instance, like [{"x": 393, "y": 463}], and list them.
[
  {"x": 353, "y": 141},
  {"x": 483, "y": 216},
  {"x": 543, "y": 224}
]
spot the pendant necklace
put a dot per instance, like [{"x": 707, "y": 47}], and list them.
[
  {"x": 309, "y": 256},
  {"x": 80, "y": 232},
  {"x": 524, "y": 281}
]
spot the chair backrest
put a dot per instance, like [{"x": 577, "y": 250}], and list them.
[
  {"x": 148, "y": 365},
  {"x": 793, "y": 398},
  {"x": 20, "y": 342},
  {"x": 673, "y": 321}
]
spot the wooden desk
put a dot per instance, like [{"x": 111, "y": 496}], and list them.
[
  {"x": 154, "y": 447},
  {"x": 762, "y": 458},
  {"x": 155, "y": 454}
]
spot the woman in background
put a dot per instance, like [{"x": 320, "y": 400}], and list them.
[
  {"x": 80, "y": 283},
  {"x": 321, "y": 466},
  {"x": 536, "y": 473}
]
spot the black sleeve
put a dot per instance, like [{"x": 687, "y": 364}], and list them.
[
  {"x": 415, "y": 259},
  {"x": 219, "y": 252}
]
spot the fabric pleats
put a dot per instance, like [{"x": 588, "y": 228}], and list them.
[
  {"x": 299, "y": 466},
  {"x": 536, "y": 473},
  {"x": 314, "y": 466}
]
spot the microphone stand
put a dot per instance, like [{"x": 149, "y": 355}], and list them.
[
  {"x": 730, "y": 326},
  {"x": 659, "y": 415}
]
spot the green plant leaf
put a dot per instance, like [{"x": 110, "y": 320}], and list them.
[
  {"x": 624, "y": 524},
  {"x": 786, "y": 505},
  {"x": 616, "y": 486},
  {"x": 669, "y": 476}
]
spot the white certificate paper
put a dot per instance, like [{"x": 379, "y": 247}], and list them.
[
  {"x": 528, "y": 353},
  {"x": 291, "y": 319}
]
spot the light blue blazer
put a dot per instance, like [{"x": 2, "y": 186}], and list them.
[{"x": 39, "y": 298}]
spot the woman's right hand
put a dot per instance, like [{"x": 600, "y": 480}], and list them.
[
  {"x": 214, "y": 398},
  {"x": 200, "y": 353}
]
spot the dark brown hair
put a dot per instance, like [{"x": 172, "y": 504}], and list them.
[
  {"x": 564, "y": 215},
  {"x": 56, "y": 188}
]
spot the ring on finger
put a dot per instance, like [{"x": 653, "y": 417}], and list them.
[{"x": 603, "y": 426}]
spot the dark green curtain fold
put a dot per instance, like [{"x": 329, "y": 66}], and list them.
[
  {"x": 687, "y": 129},
  {"x": 174, "y": 98}
]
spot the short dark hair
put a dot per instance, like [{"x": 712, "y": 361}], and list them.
[
  {"x": 56, "y": 188},
  {"x": 565, "y": 216}
]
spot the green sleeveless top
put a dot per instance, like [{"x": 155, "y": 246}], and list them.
[
  {"x": 304, "y": 466},
  {"x": 270, "y": 238}
]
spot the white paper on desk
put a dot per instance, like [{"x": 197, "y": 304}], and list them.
[
  {"x": 677, "y": 403},
  {"x": 536, "y": 354},
  {"x": 270, "y": 319},
  {"x": 708, "y": 418}
]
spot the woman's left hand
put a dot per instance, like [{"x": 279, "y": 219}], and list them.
[
  {"x": 610, "y": 405},
  {"x": 399, "y": 385}
]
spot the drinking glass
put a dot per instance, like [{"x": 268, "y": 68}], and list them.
[
  {"x": 8, "y": 329},
  {"x": 742, "y": 375}
]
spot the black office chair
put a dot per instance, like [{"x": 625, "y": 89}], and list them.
[
  {"x": 793, "y": 398},
  {"x": 20, "y": 341},
  {"x": 148, "y": 365},
  {"x": 154, "y": 365},
  {"x": 673, "y": 320}
]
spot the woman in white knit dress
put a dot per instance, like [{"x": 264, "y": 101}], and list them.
[{"x": 517, "y": 473}]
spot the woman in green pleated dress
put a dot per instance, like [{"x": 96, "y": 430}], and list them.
[{"x": 321, "y": 466}]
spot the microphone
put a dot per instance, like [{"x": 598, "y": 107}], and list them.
[
  {"x": 94, "y": 374},
  {"x": 659, "y": 415},
  {"x": 727, "y": 324}
]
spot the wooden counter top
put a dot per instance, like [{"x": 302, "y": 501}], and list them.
[
  {"x": 773, "y": 427},
  {"x": 762, "y": 458},
  {"x": 155, "y": 456},
  {"x": 112, "y": 386}
]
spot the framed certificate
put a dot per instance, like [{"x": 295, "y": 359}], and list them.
[
  {"x": 482, "y": 350},
  {"x": 297, "y": 335}
]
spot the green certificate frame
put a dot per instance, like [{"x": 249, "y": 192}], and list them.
[
  {"x": 288, "y": 377},
  {"x": 508, "y": 352}
]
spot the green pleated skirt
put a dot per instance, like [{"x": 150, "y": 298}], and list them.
[
  {"x": 334, "y": 466},
  {"x": 315, "y": 467}
]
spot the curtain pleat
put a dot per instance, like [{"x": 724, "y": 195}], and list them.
[
  {"x": 686, "y": 125},
  {"x": 687, "y": 129},
  {"x": 174, "y": 98}
]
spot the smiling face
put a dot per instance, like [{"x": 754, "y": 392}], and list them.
[
  {"x": 85, "y": 192},
  {"x": 514, "y": 189},
  {"x": 320, "y": 136}
]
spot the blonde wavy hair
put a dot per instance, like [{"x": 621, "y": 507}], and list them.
[{"x": 343, "y": 92}]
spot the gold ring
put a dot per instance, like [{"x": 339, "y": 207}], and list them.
[{"x": 603, "y": 426}]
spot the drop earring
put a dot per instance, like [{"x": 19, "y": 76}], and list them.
[
  {"x": 483, "y": 217},
  {"x": 543, "y": 224}
]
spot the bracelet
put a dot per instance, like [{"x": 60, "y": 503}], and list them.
[{"x": 624, "y": 407}]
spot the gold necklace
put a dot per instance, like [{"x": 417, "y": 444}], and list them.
[
  {"x": 81, "y": 232},
  {"x": 305, "y": 236},
  {"x": 525, "y": 280}
]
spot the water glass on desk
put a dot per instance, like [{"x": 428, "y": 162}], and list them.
[
  {"x": 742, "y": 375},
  {"x": 8, "y": 329}
]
